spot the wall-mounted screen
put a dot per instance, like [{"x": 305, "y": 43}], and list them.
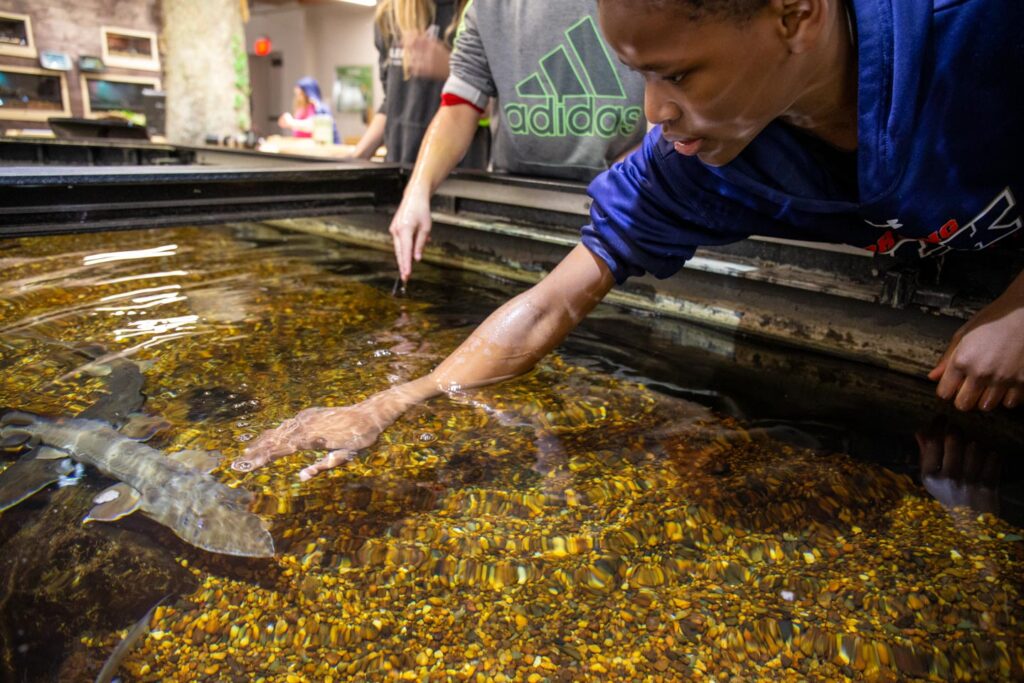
[
  {"x": 30, "y": 94},
  {"x": 115, "y": 94}
]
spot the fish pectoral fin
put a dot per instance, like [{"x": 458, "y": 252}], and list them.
[
  {"x": 16, "y": 430},
  {"x": 14, "y": 438},
  {"x": 143, "y": 427},
  {"x": 204, "y": 461},
  {"x": 96, "y": 369},
  {"x": 44, "y": 452},
  {"x": 145, "y": 365},
  {"x": 28, "y": 475},
  {"x": 114, "y": 503}
]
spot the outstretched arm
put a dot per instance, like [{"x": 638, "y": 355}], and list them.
[
  {"x": 289, "y": 122},
  {"x": 507, "y": 344},
  {"x": 372, "y": 138},
  {"x": 446, "y": 141},
  {"x": 984, "y": 364}
]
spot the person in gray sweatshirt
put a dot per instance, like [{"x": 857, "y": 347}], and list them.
[
  {"x": 566, "y": 107},
  {"x": 414, "y": 41}
]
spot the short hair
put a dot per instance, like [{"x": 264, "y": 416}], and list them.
[{"x": 702, "y": 9}]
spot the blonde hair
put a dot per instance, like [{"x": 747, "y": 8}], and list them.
[{"x": 399, "y": 18}]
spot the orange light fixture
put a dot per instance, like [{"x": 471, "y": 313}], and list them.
[{"x": 262, "y": 46}]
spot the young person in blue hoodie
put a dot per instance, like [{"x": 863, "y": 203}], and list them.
[{"x": 887, "y": 124}]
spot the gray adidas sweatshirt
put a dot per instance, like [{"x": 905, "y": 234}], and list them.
[
  {"x": 567, "y": 107},
  {"x": 410, "y": 103}
]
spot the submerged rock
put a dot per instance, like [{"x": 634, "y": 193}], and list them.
[{"x": 219, "y": 403}]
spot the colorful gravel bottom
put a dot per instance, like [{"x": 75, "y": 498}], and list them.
[{"x": 564, "y": 526}]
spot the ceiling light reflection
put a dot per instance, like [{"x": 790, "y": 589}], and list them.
[
  {"x": 147, "y": 276},
  {"x": 154, "y": 252},
  {"x": 157, "y": 326},
  {"x": 128, "y": 295},
  {"x": 141, "y": 302}
]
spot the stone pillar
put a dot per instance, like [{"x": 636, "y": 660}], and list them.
[{"x": 206, "y": 69}]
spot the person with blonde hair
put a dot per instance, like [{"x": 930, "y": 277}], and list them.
[{"x": 413, "y": 39}]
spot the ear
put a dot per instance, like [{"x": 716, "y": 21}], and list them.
[{"x": 801, "y": 23}]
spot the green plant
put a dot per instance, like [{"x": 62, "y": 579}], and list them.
[
  {"x": 243, "y": 88},
  {"x": 138, "y": 118}
]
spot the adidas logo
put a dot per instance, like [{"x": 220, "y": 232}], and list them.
[{"x": 573, "y": 92}]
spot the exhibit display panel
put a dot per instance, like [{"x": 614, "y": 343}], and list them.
[
  {"x": 32, "y": 94},
  {"x": 16, "y": 35}
]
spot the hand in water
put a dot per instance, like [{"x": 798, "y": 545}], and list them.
[
  {"x": 410, "y": 230},
  {"x": 958, "y": 472},
  {"x": 341, "y": 431}
]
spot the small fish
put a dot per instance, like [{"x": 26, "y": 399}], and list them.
[
  {"x": 174, "y": 489},
  {"x": 127, "y": 644}
]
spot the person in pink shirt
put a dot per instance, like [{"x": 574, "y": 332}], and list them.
[{"x": 307, "y": 103}]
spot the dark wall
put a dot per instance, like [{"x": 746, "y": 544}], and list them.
[{"x": 73, "y": 27}]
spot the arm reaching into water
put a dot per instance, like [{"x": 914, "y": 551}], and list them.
[
  {"x": 447, "y": 140},
  {"x": 507, "y": 344}
]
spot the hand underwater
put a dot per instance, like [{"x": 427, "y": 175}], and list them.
[
  {"x": 341, "y": 431},
  {"x": 957, "y": 471}
]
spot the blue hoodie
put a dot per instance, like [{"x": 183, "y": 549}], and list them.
[{"x": 939, "y": 164}]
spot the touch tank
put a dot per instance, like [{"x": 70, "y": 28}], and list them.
[{"x": 658, "y": 500}]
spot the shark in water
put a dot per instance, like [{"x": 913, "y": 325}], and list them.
[{"x": 174, "y": 489}]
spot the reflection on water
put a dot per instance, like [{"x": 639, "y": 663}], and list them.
[{"x": 569, "y": 525}]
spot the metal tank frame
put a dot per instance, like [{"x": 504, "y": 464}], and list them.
[{"x": 876, "y": 309}]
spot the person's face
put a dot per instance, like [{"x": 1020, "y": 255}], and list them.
[
  {"x": 712, "y": 84},
  {"x": 300, "y": 98}
]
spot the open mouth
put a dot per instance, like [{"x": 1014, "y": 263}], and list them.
[{"x": 688, "y": 146}]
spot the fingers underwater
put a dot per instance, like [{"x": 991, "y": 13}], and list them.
[{"x": 331, "y": 460}]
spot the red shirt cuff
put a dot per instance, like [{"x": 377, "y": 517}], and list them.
[{"x": 448, "y": 99}]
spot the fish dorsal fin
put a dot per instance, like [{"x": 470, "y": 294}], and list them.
[
  {"x": 204, "y": 461},
  {"x": 114, "y": 503},
  {"x": 50, "y": 453}
]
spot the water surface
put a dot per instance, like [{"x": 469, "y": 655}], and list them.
[{"x": 653, "y": 502}]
